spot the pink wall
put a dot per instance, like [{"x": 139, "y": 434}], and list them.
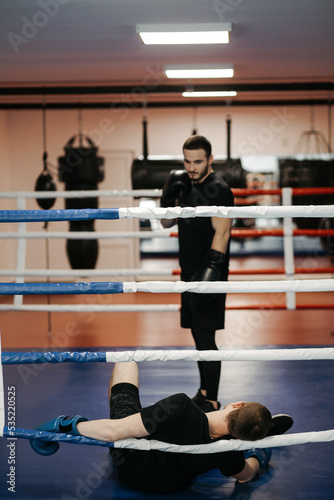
[{"x": 255, "y": 131}]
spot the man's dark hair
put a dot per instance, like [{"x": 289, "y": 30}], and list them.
[
  {"x": 249, "y": 422},
  {"x": 198, "y": 142}
]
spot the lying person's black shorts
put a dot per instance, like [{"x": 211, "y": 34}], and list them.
[{"x": 124, "y": 400}]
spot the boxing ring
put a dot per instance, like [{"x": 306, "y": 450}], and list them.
[{"x": 302, "y": 461}]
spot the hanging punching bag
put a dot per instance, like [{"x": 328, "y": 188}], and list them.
[
  {"x": 81, "y": 169},
  {"x": 306, "y": 173},
  {"x": 45, "y": 183},
  {"x": 231, "y": 169}
]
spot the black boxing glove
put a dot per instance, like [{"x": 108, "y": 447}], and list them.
[
  {"x": 211, "y": 269},
  {"x": 178, "y": 182}
]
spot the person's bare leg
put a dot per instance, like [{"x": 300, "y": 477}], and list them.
[{"x": 124, "y": 372}]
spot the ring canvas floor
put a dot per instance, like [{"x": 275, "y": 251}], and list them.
[{"x": 301, "y": 388}]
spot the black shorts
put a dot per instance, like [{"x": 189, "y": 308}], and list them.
[
  {"x": 203, "y": 312},
  {"x": 124, "y": 400}
]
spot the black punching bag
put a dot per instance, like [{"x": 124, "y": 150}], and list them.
[
  {"x": 307, "y": 174},
  {"x": 45, "y": 183},
  {"x": 81, "y": 169},
  {"x": 231, "y": 169}
]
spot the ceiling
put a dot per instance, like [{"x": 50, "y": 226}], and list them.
[{"x": 81, "y": 52}]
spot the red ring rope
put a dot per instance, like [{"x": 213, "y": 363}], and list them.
[
  {"x": 278, "y": 307},
  {"x": 278, "y": 191},
  {"x": 279, "y": 270},
  {"x": 245, "y": 233},
  {"x": 257, "y": 233}
]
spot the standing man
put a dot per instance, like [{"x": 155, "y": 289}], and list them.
[{"x": 203, "y": 255}]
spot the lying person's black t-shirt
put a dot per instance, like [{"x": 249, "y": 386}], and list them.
[{"x": 175, "y": 420}]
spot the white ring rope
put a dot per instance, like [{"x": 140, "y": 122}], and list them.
[
  {"x": 88, "y": 272},
  {"x": 197, "y": 287},
  {"x": 308, "y": 354},
  {"x": 223, "y": 354},
  {"x": 313, "y": 285},
  {"x": 201, "y": 287},
  {"x": 231, "y": 444},
  {"x": 182, "y": 212},
  {"x": 87, "y": 235},
  {"x": 84, "y": 308},
  {"x": 136, "y": 193},
  {"x": 227, "y": 212}
]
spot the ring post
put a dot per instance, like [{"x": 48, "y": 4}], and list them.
[
  {"x": 289, "y": 264},
  {"x": 21, "y": 250}
]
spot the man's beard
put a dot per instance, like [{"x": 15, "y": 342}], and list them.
[{"x": 204, "y": 173}]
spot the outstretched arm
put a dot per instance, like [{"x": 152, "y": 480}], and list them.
[{"x": 113, "y": 430}]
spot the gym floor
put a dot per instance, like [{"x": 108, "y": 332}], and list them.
[{"x": 301, "y": 388}]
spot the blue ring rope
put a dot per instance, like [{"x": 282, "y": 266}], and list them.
[
  {"x": 61, "y": 288},
  {"x": 16, "y": 358},
  {"x": 58, "y": 215},
  {"x": 50, "y": 436}
]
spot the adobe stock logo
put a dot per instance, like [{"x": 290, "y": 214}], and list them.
[{"x": 31, "y": 27}]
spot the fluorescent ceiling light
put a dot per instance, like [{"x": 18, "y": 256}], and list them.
[
  {"x": 182, "y": 34},
  {"x": 207, "y": 93},
  {"x": 205, "y": 71}
]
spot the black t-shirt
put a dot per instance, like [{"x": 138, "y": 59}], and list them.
[
  {"x": 175, "y": 420},
  {"x": 196, "y": 234}
]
